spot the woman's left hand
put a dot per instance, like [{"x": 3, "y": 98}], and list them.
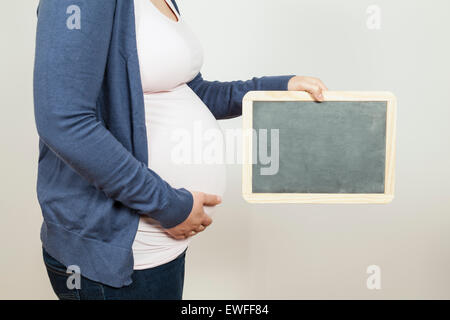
[{"x": 314, "y": 86}]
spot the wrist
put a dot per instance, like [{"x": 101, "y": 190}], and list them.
[{"x": 178, "y": 208}]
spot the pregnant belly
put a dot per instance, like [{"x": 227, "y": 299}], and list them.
[
  {"x": 186, "y": 148},
  {"x": 186, "y": 145}
]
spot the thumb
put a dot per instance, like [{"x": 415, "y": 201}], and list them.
[{"x": 211, "y": 200}]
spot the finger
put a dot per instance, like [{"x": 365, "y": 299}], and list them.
[
  {"x": 190, "y": 234},
  {"x": 200, "y": 228},
  {"x": 314, "y": 90},
  {"x": 319, "y": 95},
  {"x": 179, "y": 237},
  {"x": 321, "y": 85},
  {"x": 211, "y": 200},
  {"x": 206, "y": 221}
]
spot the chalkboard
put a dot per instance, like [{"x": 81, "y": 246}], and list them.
[{"x": 341, "y": 150}]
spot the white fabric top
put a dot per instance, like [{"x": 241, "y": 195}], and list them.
[{"x": 185, "y": 143}]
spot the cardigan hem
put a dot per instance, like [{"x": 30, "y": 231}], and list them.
[{"x": 87, "y": 255}]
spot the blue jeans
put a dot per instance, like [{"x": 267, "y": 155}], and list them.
[{"x": 161, "y": 282}]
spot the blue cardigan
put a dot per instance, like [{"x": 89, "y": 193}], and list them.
[{"x": 93, "y": 180}]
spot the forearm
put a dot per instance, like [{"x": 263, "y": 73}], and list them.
[{"x": 224, "y": 99}]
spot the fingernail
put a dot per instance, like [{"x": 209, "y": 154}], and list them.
[{"x": 219, "y": 199}]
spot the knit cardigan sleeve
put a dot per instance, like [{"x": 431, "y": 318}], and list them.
[{"x": 224, "y": 99}]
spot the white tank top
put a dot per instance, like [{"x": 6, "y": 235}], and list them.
[{"x": 185, "y": 143}]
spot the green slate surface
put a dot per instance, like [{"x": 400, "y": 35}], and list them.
[{"x": 328, "y": 147}]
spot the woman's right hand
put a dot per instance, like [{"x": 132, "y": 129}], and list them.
[{"x": 198, "y": 220}]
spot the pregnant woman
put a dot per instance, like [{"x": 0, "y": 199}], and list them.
[{"x": 119, "y": 101}]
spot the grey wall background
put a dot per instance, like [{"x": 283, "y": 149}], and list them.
[{"x": 278, "y": 251}]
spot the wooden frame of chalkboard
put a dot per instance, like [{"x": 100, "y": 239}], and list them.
[{"x": 384, "y": 196}]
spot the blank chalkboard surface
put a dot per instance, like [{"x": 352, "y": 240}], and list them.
[{"x": 341, "y": 150}]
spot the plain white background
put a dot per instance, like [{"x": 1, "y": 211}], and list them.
[{"x": 278, "y": 251}]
